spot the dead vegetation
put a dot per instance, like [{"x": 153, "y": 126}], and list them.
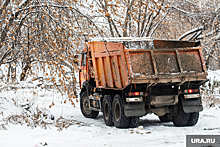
[
  {"x": 211, "y": 94},
  {"x": 210, "y": 100},
  {"x": 35, "y": 121},
  {"x": 62, "y": 123},
  {"x": 34, "y": 117},
  {"x": 22, "y": 119}
]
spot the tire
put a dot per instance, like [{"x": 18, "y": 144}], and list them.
[
  {"x": 134, "y": 122},
  {"x": 165, "y": 118},
  {"x": 84, "y": 106},
  {"x": 194, "y": 117},
  {"x": 107, "y": 110},
  {"x": 182, "y": 118},
  {"x": 119, "y": 119}
]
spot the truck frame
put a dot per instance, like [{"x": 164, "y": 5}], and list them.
[{"x": 126, "y": 78}]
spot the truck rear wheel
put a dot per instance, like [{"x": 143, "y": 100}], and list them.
[
  {"x": 107, "y": 110},
  {"x": 119, "y": 119},
  {"x": 165, "y": 118},
  {"x": 134, "y": 122},
  {"x": 194, "y": 117},
  {"x": 181, "y": 118},
  {"x": 84, "y": 106}
]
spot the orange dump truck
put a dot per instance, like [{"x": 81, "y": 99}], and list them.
[{"x": 126, "y": 78}]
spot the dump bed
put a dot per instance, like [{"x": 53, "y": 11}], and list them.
[{"x": 118, "y": 62}]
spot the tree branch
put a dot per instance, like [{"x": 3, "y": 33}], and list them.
[{"x": 191, "y": 32}]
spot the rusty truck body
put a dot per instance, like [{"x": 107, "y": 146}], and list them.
[{"x": 126, "y": 78}]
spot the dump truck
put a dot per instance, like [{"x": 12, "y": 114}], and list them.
[{"x": 127, "y": 78}]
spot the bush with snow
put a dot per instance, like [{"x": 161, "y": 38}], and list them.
[{"x": 211, "y": 90}]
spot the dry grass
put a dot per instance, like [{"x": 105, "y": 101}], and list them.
[{"x": 62, "y": 123}]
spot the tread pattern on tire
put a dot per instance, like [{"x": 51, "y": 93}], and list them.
[
  {"x": 182, "y": 119},
  {"x": 194, "y": 117},
  {"x": 123, "y": 121},
  {"x": 92, "y": 114},
  {"x": 134, "y": 122},
  {"x": 165, "y": 118},
  {"x": 109, "y": 121}
]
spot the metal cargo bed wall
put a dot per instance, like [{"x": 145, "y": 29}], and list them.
[
  {"x": 166, "y": 65},
  {"x": 109, "y": 64}
]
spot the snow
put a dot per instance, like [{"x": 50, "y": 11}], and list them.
[
  {"x": 212, "y": 86},
  {"x": 213, "y": 75},
  {"x": 90, "y": 132},
  {"x": 95, "y": 133},
  {"x": 119, "y": 39}
]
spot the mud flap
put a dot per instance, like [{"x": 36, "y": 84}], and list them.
[
  {"x": 134, "y": 109},
  {"x": 191, "y": 105}
]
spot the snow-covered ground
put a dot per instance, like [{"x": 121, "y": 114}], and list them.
[{"x": 84, "y": 132}]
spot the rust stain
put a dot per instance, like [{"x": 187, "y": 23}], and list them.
[
  {"x": 141, "y": 62},
  {"x": 191, "y": 61}
]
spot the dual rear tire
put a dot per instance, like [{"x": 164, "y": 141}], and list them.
[
  {"x": 107, "y": 110},
  {"x": 182, "y": 119},
  {"x": 194, "y": 117},
  {"x": 113, "y": 113}
]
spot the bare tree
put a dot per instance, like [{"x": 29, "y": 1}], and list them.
[
  {"x": 204, "y": 24},
  {"x": 40, "y": 39}
]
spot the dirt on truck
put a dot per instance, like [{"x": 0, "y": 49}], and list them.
[{"x": 126, "y": 78}]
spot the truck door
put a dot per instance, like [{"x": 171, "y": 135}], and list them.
[{"x": 83, "y": 72}]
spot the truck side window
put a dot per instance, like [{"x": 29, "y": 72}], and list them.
[{"x": 84, "y": 59}]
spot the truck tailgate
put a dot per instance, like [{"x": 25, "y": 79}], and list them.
[{"x": 165, "y": 65}]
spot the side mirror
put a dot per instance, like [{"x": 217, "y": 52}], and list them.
[{"x": 76, "y": 57}]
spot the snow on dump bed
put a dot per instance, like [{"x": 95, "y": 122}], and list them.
[
  {"x": 130, "y": 42},
  {"x": 148, "y": 43},
  {"x": 121, "y": 39}
]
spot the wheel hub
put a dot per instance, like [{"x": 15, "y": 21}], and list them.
[
  {"x": 117, "y": 111},
  {"x": 106, "y": 111},
  {"x": 86, "y": 106}
]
